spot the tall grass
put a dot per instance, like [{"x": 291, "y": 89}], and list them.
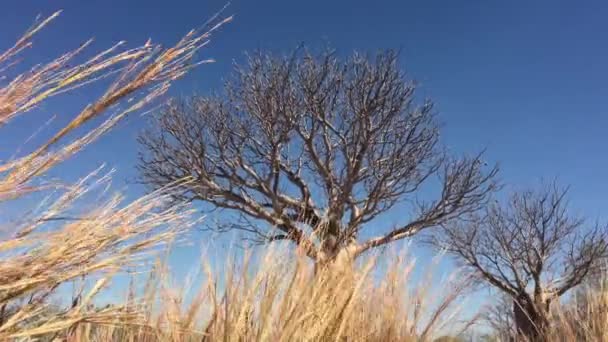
[
  {"x": 581, "y": 317},
  {"x": 44, "y": 250},
  {"x": 584, "y": 317},
  {"x": 279, "y": 297}
]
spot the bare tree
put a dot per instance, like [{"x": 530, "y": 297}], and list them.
[
  {"x": 531, "y": 249},
  {"x": 500, "y": 318},
  {"x": 312, "y": 149}
]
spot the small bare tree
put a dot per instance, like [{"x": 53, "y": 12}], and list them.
[
  {"x": 500, "y": 318},
  {"x": 532, "y": 249},
  {"x": 312, "y": 149}
]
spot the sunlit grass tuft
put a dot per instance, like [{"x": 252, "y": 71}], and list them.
[{"x": 43, "y": 251}]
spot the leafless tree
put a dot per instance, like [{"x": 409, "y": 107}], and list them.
[
  {"x": 531, "y": 249},
  {"x": 500, "y": 318},
  {"x": 312, "y": 149}
]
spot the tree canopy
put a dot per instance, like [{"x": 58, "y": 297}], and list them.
[{"x": 312, "y": 149}]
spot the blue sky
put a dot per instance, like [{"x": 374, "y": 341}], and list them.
[{"x": 524, "y": 79}]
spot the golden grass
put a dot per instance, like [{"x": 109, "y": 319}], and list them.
[
  {"x": 585, "y": 317},
  {"x": 277, "y": 297},
  {"x": 45, "y": 250}
]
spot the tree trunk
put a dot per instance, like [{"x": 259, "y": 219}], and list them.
[
  {"x": 530, "y": 322},
  {"x": 338, "y": 259}
]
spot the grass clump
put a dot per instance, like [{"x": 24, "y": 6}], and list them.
[{"x": 47, "y": 249}]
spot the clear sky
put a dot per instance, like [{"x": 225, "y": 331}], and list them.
[{"x": 524, "y": 79}]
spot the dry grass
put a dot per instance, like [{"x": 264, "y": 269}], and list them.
[
  {"x": 273, "y": 297},
  {"x": 277, "y": 297},
  {"x": 584, "y": 317},
  {"x": 45, "y": 250}
]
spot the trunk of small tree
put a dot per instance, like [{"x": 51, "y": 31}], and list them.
[{"x": 531, "y": 321}]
